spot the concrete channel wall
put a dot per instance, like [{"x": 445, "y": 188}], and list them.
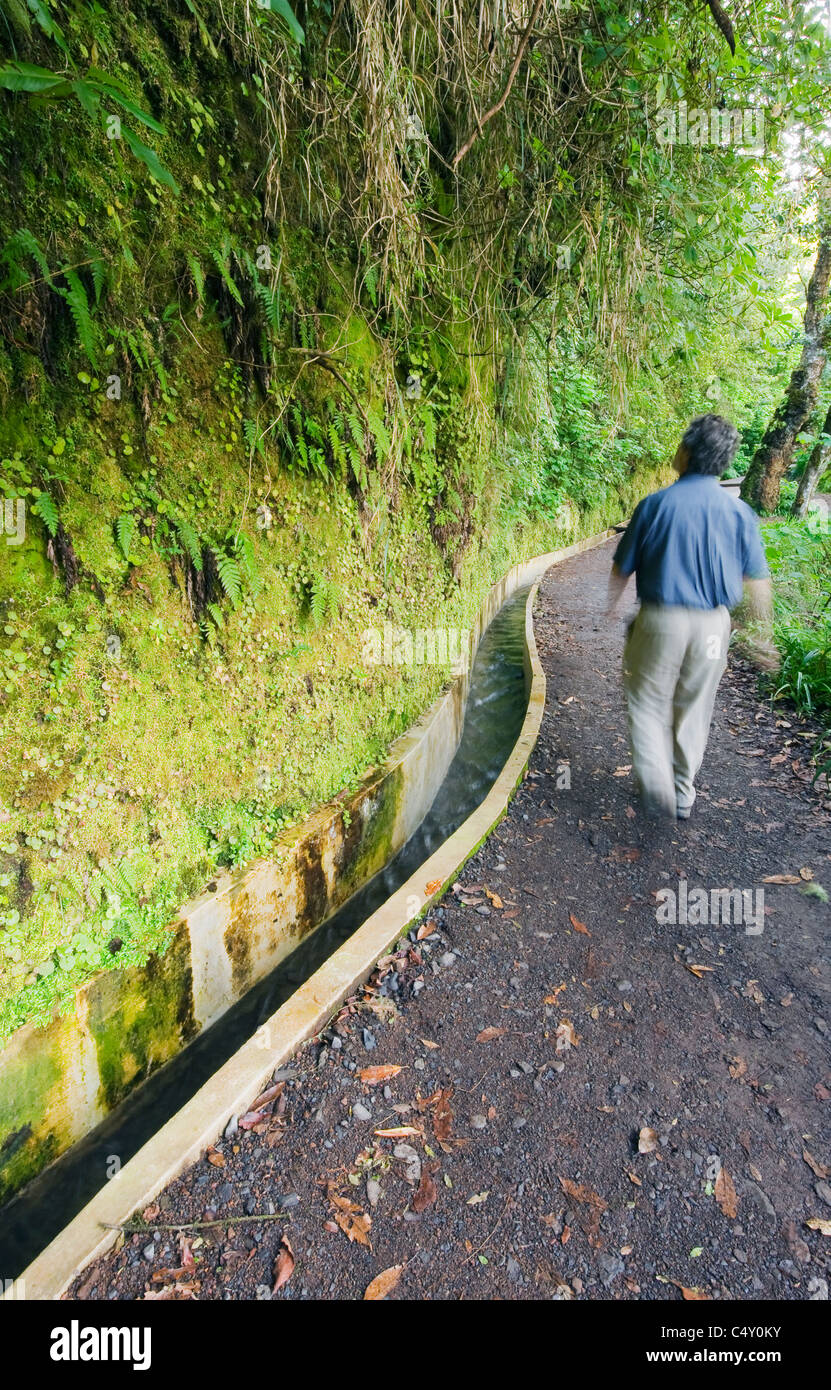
[{"x": 59, "y": 1081}]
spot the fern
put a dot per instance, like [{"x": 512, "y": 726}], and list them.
[
  {"x": 76, "y": 298},
  {"x": 23, "y": 243},
  {"x": 47, "y": 511},
  {"x": 324, "y": 599},
  {"x": 429, "y": 418},
  {"x": 137, "y": 350},
  {"x": 334, "y": 598},
  {"x": 253, "y": 438},
  {"x": 371, "y": 282},
  {"x": 189, "y": 542},
  {"x": 125, "y": 528},
  {"x": 198, "y": 277},
  {"x": 270, "y": 300},
  {"x": 99, "y": 278},
  {"x": 380, "y": 435},
  {"x": 219, "y": 256},
  {"x": 357, "y": 432},
  {"x": 215, "y": 612},
  {"x": 245, "y": 551},
  {"x": 335, "y": 441},
  {"x": 319, "y": 599},
  {"x": 230, "y": 575}
]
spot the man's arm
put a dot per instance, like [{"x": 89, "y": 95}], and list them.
[
  {"x": 625, "y": 560},
  {"x": 617, "y": 586},
  {"x": 757, "y": 624},
  {"x": 756, "y": 620}
]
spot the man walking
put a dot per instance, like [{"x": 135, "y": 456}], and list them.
[{"x": 692, "y": 546}]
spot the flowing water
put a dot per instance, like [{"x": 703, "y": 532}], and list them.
[{"x": 493, "y": 719}]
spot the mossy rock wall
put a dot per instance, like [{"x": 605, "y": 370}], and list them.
[{"x": 58, "y": 1082}]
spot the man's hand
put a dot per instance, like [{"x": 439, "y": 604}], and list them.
[
  {"x": 755, "y": 625},
  {"x": 617, "y": 586}
]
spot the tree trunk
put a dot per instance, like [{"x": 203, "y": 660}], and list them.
[
  {"x": 775, "y": 452},
  {"x": 814, "y": 469}
]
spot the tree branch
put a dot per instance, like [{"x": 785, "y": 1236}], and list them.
[{"x": 497, "y": 106}]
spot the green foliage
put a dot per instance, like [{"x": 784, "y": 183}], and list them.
[
  {"x": 76, "y": 298},
  {"x": 285, "y": 12},
  {"x": 190, "y": 543},
  {"x": 799, "y": 554},
  {"x": 46, "y": 509},
  {"x": 90, "y": 91},
  {"x": 324, "y": 599},
  {"x": 125, "y": 529},
  {"x": 230, "y": 575}
]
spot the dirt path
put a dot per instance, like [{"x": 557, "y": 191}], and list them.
[{"x": 523, "y": 1177}]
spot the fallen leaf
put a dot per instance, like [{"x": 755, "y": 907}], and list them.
[
  {"x": 633, "y": 1177},
  {"x": 737, "y": 1068},
  {"x": 443, "y": 1116},
  {"x": 427, "y": 928},
  {"x": 625, "y": 854},
  {"x": 432, "y": 887},
  {"x": 818, "y": 1169},
  {"x": 477, "y": 1198},
  {"x": 691, "y": 1295},
  {"x": 354, "y": 1222},
  {"x": 383, "y": 1283},
  {"x": 494, "y": 898},
  {"x": 488, "y": 1034},
  {"x": 372, "y": 1075},
  {"x": 622, "y": 771},
  {"x": 819, "y": 1223},
  {"x": 217, "y": 1159},
  {"x": 781, "y": 878},
  {"x": 427, "y": 1043},
  {"x": 578, "y": 926},
  {"x": 401, "y": 1132},
  {"x": 647, "y": 1141},
  {"x": 631, "y": 812},
  {"x": 581, "y": 1193},
  {"x": 283, "y": 1265},
  {"x": 806, "y": 875},
  {"x": 725, "y": 1194},
  {"x": 565, "y": 1035},
  {"x": 700, "y": 970},
  {"x": 426, "y": 1192}
]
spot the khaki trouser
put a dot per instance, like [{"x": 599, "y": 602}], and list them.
[{"x": 673, "y": 660}]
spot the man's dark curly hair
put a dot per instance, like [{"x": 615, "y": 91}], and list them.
[{"x": 711, "y": 441}]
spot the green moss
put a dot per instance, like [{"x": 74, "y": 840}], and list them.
[
  {"x": 141, "y": 1018},
  {"x": 28, "y": 1139}
]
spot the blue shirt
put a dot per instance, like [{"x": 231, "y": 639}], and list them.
[{"x": 692, "y": 543}]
